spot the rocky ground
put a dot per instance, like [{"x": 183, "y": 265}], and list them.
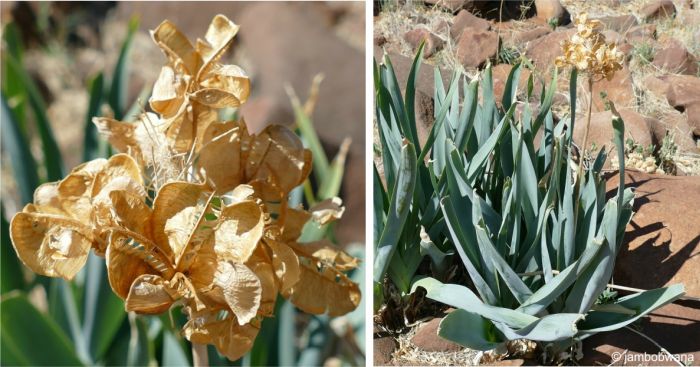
[
  {"x": 657, "y": 93},
  {"x": 278, "y": 44}
]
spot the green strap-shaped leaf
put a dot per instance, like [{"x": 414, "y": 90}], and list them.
[
  {"x": 30, "y": 338},
  {"x": 465, "y": 127},
  {"x": 642, "y": 303},
  {"x": 469, "y": 330},
  {"x": 14, "y": 144},
  {"x": 91, "y": 142},
  {"x": 465, "y": 242},
  {"x": 546, "y": 102},
  {"x": 592, "y": 282},
  {"x": 52, "y": 155},
  {"x": 462, "y": 297},
  {"x": 380, "y": 204},
  {"x": 10, "y": 269},
  {"x": 572, "y": 98},
  {"x": 398, "y": 211},
  {"x": 173, "y": 351},
  {"x": 478, "y": 163},
  {"x": 103, "y": 310},
  {"x": 550, "y": 328},
  {"x": 511, "y": 279},
  {"x": 548, "y": 293},
  {"x": 439, "y": 119},
  {"x": 120, "y": 78},
  {"x": 410, "y": 97},
  {"x": 511, "y": 89}
]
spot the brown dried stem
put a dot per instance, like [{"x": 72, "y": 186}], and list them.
[{"x": 199, "y": 355}]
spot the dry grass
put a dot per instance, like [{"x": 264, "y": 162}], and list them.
[{"x": 407, "y": 354}]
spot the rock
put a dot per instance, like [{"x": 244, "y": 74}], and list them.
[
  {"x": 683, "y": 93},
  {"x": 476, "y": 47},
  {"x": 465, "y": 19},
  {"x": 675, "y": 123},
  {"x": 433, "y": 43},
  {"x": 689, "y": 16},
  {"x": 545, "y": 49},
  {"x": 551, "y": 9},
  {"x": 441, "y": 27},
  {"x": 618, "y": 90},
  {"x": 427, "y": 339},
  {"x": 659, "y": 236},
  {"x": 656, "y": 86},
  {"x": 384, "y": 348},
  {"x": 675, "y": 58},
  {"x": 658, "y": 9},
  {"x": 682, "y": 89},
  {"x": 612, "y": 36},
  {"x": 379, "y": 40},
  {"x": 520, "y": 37},
  {"x": 511, "y": 362},
  {"x": 452, "y": 6},
  {"x": 500, "y": 74},
  {"x": 671, "y": 326},
  {"x": 644, "y": 33},
  {"x": 292, "y": 47},
  {"x": 620, "y": 23},
  {"x": 600, "y": 132},
  {"x": 692, "y": 112}
]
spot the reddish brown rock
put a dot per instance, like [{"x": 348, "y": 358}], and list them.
[
  {"x": 690, "y": 16},
  {"x": 465, "y": 20},
  {"x": 656, "y": 86},
  {"x": 658, "y": 9},
  {"x": 500, "y": 74},
  {"x": 545, "y": 49},
  {"x": 619, "y": 23},
  {"x": 692, "y": 112},
  {"x": 520, "y": 37},
  {"x": 383, "y": 350},
  {"x": 476, "y": 47},
  {"x": 664, "y": 234},
  {"x": 617, "y": 90},
  {"x": 644, "y": 33},
  {"x": 551, "y": 9},
  {"x": 673, "y": 326},
  {"x": 600, "y": 132},
  {"x": 675, "y": 58},
  {"x": 441, "y": 27},
  {"x": 511, "y": 362},
  {"x": 675, "y": 123},
  {"x": 682, "y": 89},
  {"x": 433, "y": 43},
  {"x": 427, "y": 339}
]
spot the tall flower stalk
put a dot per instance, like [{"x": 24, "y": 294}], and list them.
[{"x": 589, "y": 53}]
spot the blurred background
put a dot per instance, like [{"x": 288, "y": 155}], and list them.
[{"x": 65, "y": 62}]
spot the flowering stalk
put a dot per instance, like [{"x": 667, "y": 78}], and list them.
[{"x": 588, "y": 51}]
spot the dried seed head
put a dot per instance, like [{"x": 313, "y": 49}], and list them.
[{"x": 588, "y": 51}]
